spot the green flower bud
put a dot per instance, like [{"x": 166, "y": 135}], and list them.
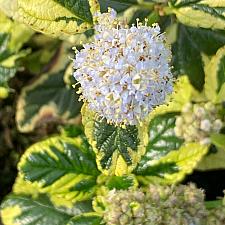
[
  {"x": 216, "y": 216},
  {"x": 156, "y": 205},
  {"x": 197, "y": 122}
]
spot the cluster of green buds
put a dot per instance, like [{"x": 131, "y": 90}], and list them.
[
  {"x": 197, "y": 122},
  {"x": 216, "y": 216},
  {"x": 156, "y": 205}
]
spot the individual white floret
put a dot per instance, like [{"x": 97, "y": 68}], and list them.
[
  {"x": 197, "y": 121},
  {"x": 205, "y": 125},
  {"x": 217, "y": 125}
]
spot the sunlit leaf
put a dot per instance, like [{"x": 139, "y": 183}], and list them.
[
  {"x": 200, "y": 13},
  {"x": 61, "y": 166}
]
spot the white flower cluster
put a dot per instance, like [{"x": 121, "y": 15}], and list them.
[
  {"x": 197, "y": 121},
  {"x": 124, "y": 73}
]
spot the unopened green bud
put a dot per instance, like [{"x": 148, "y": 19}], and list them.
[
  {"x": 197, "y": 122},
  {"x": 216, "y": 216},
  {"x": 158, "y": 205}
]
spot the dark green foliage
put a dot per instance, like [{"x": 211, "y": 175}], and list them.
[{"x": 110, "y": 138}]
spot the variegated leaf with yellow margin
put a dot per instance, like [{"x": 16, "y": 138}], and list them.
[
  {"x": 215, "y": 77},
  {"x": 173, "y": 167},
  {"x": 190, "y": 49},
  {"x": 53, "y": 17},
  {"x": 24, "y": 209},
  {"x": 200, "y": 13},
  {"x": 62, "y": 167},
  {"x": 167, "y": 158},
  {"x": 49, "y": 98},
  {"x": 31, "y": 203},
  {"x": 118, "y": 149},
  {"x": 162, "y": 139}
]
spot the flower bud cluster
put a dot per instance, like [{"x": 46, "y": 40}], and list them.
[
  {"x": 124, "y": 73},
  {"x": 157, "y": 205},
  {"x": 197, "y": 122},
  {"x": 216, "y": 216}
]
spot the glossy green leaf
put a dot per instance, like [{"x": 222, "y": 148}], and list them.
[
  {"x": 61, "y": 166},
  {"x": 25, "y": 210},
  {"x": 86, "y": 219},
  {"x": 187, "y": 50},
  {"x": 79, "y": 8},
  {"x": 215, "y": 77},
  {"x": 173, "y": 167},
  {"x": 162, "y": 139},
  {"x": 200, "y": 13},
  {"x": 48, "y": 98},
  {"x": 118, "y": 149},
  {"x": 218, "y": 140}
]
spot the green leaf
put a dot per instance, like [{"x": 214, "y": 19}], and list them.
[
  {"x": 213, "y": 204},
  {"x": 162, "y": 139},
  {"x": 86, "y": 219},
  {"x": 118, "y": 5},
  {"x": 72, "y": 131},
  {"x": 187, "y": 50},
  {"x": 218, "y": 140},
  {"x": 128, "y": 10},
  {"x": 12, "y": 37},
  {"x": 213, "y": 161},
  {"x": 25, "y": 210},
  {"x": 4, "y": 40},
  {"x": 200, "y": 13},
  {"x": 118, "y": 149},
  {"x": 215, "y": 77},
  {"x": 18, "y": 33},
  {"x": 6, "y": 74},
  {"x": 61, "y": 166},
  {"x": 40, "y": 59},
  {"x": 54, "y": 17},
  {"x": 48, "y": 98},
  {"x": 121, "y": 182},
  {"x": 173, "y": 167},
  {"x": 79, "y": 8}
]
